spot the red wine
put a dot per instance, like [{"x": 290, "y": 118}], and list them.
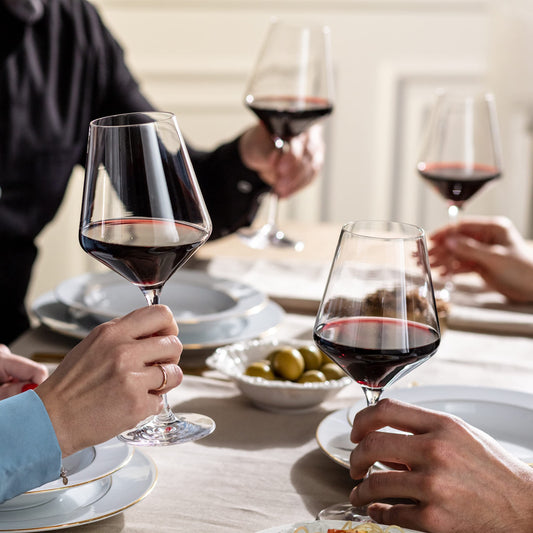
[
  {"x": 288, "y": 116},
  {"x": 376, "y": 351},
  {"x": 456, "y": 182},
  {"x": 144, "y": 251}
]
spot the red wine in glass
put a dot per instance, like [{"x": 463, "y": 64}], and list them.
[
  {"x": 377, "y": 318},
  {"x": 290, "y": 89},
  {"x": 375, "y": 351},
  {"x": 288, "y": 116},
  {"x": 457, "y": 182},
  {"x": 143, "y": 216},
  {"x": 144, "y": 251},
  {"x": 460, "y": 152}
]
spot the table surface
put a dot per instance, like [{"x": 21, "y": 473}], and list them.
[{"x": 261, "y": 469}]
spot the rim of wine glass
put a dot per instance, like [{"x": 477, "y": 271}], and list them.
[
  {"x": 154, "y": 116},
  {"x": 306, "y": 23},
  {"x": 403, "y": 231},
  {"x": 460, "y": 95}
]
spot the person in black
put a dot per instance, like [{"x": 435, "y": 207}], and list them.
[{"x": 59, "y": 69}]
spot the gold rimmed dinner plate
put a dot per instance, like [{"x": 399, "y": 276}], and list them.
[
  {"x": 87, "y": 503},
  {"x": 81, "y": 468}
]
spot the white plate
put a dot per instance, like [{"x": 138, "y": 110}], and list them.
[
  {"x": 87, "y": 503},
  {"x": 506, "y": 415},
  {"x": 57, "y": 317},
  {"x": 83, "y": 467},
  {"x": 322, "y": 526},
  {"x": 194, "y": 297}
]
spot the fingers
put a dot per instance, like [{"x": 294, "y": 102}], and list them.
[
  {"x": 387, "y": 514},
  {"x": 14, "y": 368},
  {"x": 147, "y": 321},
  {"x": 393, "y": 413},
  {"x": 163, "y": 378}
]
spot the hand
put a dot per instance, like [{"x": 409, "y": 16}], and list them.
[
  {"x": 493, "y": 248},
  {"x": 106, "y": 384},
  {"x": 459, "y": 478},
  {"x": 18, "y": 373},
  {"x": 285, "y": 171}
]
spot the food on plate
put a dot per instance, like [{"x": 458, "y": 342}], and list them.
[
  {"x": 382, "y": 303},
  {"x": 312, "y": 376},
  {"x": 306, "y": 364},
  {"x": 368, "y": 527},
  {"x": 260, "y": 369},
  {"x": 288, "y": 363}
]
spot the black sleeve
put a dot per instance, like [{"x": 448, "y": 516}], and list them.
[{"x": 230, "y": 189}]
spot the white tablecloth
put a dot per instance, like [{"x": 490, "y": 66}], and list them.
[{"x": 260, "y": 469}]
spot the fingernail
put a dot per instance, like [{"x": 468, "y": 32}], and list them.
[{"x": 28, "y": 386}]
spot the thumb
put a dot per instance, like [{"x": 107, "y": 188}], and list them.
[{"x": 469, "y": 249}]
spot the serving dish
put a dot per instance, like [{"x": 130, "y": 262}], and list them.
[{"x": 276, "y": 395}]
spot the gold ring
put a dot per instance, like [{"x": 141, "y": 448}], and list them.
[{"x": 165, "y": 378}]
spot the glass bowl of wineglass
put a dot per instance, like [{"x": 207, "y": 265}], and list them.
[
  {"x": 461, "y": 151},
  {"x": 290, "y": 89},
  {"x": 143, "y": 216},
  {"x": 378, "y": 317}
]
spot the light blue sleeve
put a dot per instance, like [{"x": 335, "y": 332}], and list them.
[{"x": 29, "y": 451}]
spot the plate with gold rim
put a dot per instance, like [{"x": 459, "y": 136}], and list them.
[
  {"x": 81, "y": 468},
  {"x": 87, "y": 503},
  {"x": 322, "y": 526}
]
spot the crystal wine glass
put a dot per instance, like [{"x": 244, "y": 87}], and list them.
[
  {"x": 461, "y": 151},
  {"x": 291, "y": 88},
  {"x": 377, "y": 319},
  {"x": 143, "y": 216}
]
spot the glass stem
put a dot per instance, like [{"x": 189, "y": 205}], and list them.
[
  {"x": 272, "y": 216},
  {"x": 166, "y": 415},
  {"x": 372, "y": 397},
  {"x": 453, "y": 216}
]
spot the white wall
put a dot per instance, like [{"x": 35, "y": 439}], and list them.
[{"x": 193, "y": 57}]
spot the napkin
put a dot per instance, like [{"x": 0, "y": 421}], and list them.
[
  {"x": 476, "y": 308},
  {"x": 298, "y": 287}
]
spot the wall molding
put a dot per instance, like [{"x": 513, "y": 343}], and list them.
[{"x": 330, "y": 5}]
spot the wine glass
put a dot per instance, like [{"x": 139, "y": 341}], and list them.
[
  {"x": 377, "y": 319},
  {"x": 291, "y": 88},
  {"x": 461, "y": 152},
  {"x": 143, "y": 216}
]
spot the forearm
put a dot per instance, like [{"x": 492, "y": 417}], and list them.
[{"x": 230, "y": 189}]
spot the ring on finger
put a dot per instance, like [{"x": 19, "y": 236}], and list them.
[{"x": 165, "y": 378}]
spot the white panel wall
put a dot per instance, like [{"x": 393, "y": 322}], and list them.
[{"x": 193, "y": 57}]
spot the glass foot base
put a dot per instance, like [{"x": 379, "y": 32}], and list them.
[
  {"x": 184, "y": 428},
  {"x": 345, "y": 511},
  {"x": 268, "y": 236}
]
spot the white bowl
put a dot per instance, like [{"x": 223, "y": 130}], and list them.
[{"x": 276, "y": 395}]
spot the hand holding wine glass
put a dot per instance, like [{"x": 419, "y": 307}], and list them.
[
  {"x": 377, "y": 319},
  {"x": 291, "y": 88},
  {"x": 461, "y": 151},
  {"x": 143, "y": 216}
]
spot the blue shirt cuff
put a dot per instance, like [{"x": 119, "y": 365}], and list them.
[{"x": 29, "y": 452}]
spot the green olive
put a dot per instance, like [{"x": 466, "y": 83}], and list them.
[
  {"x": 312, "y": 376},
  {"x": 288, "y": 363},
  {"x": 332, "y": 371},
  {"x": 325, "y": 359},
  {"x": 312, "y": 357},
  {"x": 260, "y": 369}
]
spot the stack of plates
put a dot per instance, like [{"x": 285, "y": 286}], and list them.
[
  {"x": 210, "y": 311},
  {"x": 104, "y": 480}
]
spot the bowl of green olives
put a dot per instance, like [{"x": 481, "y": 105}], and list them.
[{"x": 280, "y": 374}]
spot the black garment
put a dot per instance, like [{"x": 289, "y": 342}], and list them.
[{"x": 57, "y": 73}]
